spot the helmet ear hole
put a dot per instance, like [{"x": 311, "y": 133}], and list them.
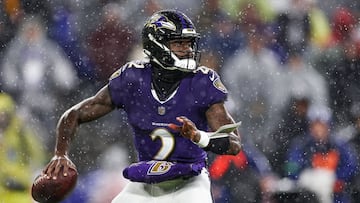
[{"x": 164, "y": 26}]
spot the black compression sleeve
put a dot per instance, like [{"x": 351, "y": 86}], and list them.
[{"x": 219, "y": 145}]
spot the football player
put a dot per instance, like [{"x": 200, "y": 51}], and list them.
[{"x": 173, "y": 106}]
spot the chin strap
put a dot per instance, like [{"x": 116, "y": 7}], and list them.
[{"x": 186, "y": 64}]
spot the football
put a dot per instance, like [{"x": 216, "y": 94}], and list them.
[{"x": 46, "y": 190}]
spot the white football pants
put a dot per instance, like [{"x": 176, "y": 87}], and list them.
[{"x": 194, "y": 190}]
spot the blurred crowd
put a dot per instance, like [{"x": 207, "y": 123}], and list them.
[{"x": 291, "y": 67}]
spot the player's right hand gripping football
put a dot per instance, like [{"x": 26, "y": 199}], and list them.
[{"x": 57, "y": 163}]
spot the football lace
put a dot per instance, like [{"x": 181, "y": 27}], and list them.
[{"x": 38, "y": 179}]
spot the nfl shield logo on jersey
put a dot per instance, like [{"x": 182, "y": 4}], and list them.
[{"x": 161, "y": 110}]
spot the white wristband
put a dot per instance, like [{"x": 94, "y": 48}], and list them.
[{"x": 204, "y": 139}]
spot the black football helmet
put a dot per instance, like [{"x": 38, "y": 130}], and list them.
[{"x": 164, "y": 26}]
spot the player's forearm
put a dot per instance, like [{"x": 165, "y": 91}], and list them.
[{"x": 66, "y": 129}]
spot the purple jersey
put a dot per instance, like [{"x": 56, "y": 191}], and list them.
[{"x": 130, "y": 89}]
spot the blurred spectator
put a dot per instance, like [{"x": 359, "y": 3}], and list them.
[
  {"x": 64, "y": 29},
  {"x": 234, "y": 8},
  {"x": 301, "y": 23},
  {"x": 318, "y": 162},
  {"x": 14, "y": 10},
  {"x": 10, "y": 15},
  {"x": 293, "y": 124},
  {"x": 246, "y": 177},
  {"x": 320, "y": 29},
  {"x": 343, "y": 23},
  {"x": 339, "y": 63},
  {"x": 111, "y": 42},
  {"x": 254, "y": 80},
  {"x": 37, "y": 7},
  {"x": 332, "y": 5},
  {"x": 351, "y": 134},
  {"x": 302, "y": 79},
  {"x": 38, "y": 75},
  {"x": 21, "y": 154},
  {"x": 220, "y": 37},
  {"x": 293, "y": 28}
]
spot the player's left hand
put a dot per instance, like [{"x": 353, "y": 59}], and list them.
[
  {"x": 188, "y": 129},
  {"x": 55, "y": 165}
]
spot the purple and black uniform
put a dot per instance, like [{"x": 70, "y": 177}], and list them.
[{"x": 130, "y": 89}]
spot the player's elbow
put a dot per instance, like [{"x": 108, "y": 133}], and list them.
[
  {"x": 70, "y": 116},
  {"x": 234, "y": 145}
]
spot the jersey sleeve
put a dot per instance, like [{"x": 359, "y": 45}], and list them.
[
  {"x": 211, "y": 89},
  {"x": 122, "y": 82},
  {"x": 116, "y": 88}
]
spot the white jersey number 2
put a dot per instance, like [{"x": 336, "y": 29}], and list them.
[{"x": 167, "y": 140}]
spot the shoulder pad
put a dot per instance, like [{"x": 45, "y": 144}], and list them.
[
  {"x": 130, "y": 64},
  {"x": 203, "y": 69},
  {"x": 213, "y": 77}
]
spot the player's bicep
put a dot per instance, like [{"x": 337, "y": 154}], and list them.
[{"x": 95, "y": 106}]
